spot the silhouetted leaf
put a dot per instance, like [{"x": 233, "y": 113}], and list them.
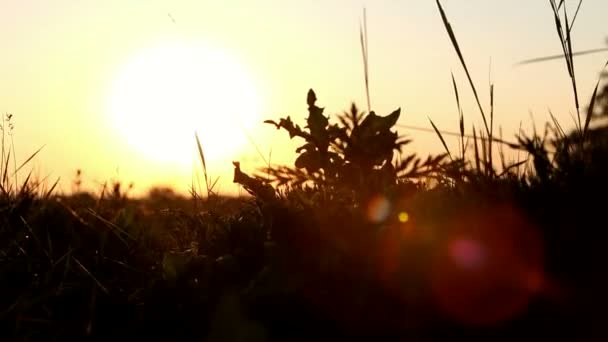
[{"x": 309, "y": 160}]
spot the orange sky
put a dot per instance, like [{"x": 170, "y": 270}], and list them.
[{"x": 61, "y": 61}]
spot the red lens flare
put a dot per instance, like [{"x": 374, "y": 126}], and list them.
[{"x": 489, "y": 267}]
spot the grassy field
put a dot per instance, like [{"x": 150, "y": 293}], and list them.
[{"x": 359, "y": 238}]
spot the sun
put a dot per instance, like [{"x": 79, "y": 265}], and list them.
[{"x": 166, "y": 93}]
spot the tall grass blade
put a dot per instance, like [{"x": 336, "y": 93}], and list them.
[
  {"x": 450, "y": 31},
  {"x": 35, "y": 236},
  {"x": 573, "y": 74},
  {"x": 476, "y": 150},
  {"x": 456, "y": 92},
  {"x": 364, "y": 51},
  {"x": 558, "y": 27},
  {"x": 24, "y": 186},
  {"x": 592, "y": 105},
  {"x": 501, "y": 151},
  {"x": 14, "y": 162},
  {"x": 460, "y": 116},
  {"x": 484, "y": 151},
  {"x": 566, "y": 42},
  {"x": 462, "y": 134},
  {"x": 560, "y": 56},
  {"x": 28, "y": 159},
  {"x": 5, "y": 175},
  {"x": 257, "y": 148},
  {"x": 560, "y": 130},
  {"x": 580, "y": 2},
  {"x": 456, "y": 134},
  {"x": 3, "y": 147},
  {"x": 202, "y": 156},
  {"x": 50, "y": 191},
  {"x": 87, "y": 272},
  {"x": 269, "y": 165},
  {"x": 441, "y": 138},
  {"x": 214, "y": 183},
  {"x": 520, "y": 132},
  {"x": 490, "y": 136},
  {"x": 512, "y": 166},
  {"x": 116, "y": 229}
]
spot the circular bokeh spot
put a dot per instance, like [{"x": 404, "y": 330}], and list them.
[
  {"x": 378, "y": 209},
  {"x": 489, "y": 267}
]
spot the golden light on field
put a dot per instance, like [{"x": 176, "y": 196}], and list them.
[{"x": 167, "y": 92}]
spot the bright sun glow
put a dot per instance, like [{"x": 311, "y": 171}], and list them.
[{"x": 166, "y": 93}]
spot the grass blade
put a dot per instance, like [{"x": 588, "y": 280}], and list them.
[
  {"x": 490, "y": 136},
  {"x": 28, "y": 159},
  {"x": 558, "y": 27},
  {"x": 24, "y": 188},
  {"x": 462, "y": 134},
  {"x": 560, "y": 130},
  {"x": 450, "y": 31},
  {"x": 560, "y": 56},
  {"x": 580, "y": 2},
  {"x": 103, "y": 288},
  {"x": 5, "y": 175},
  {"x": 501, "y": 152},
  {"x": 512, "y": 166},
  {"x": 114, "y": 228},
  {"x": 455, "y": 134},
  {"x": 573, "y": 74},
  {"x": 202, "y": 156},
  {"x": 566, "y": 42},
  {"x": 476, "y": 150},
  {"x": 441, "y": 138},
  {"x": 257, "y": 148},
  {"x": 35, "y": 236},
  {"x": 592, "y": 105},
  {"x": 364, "y": 51},
  {"x": 50, "y": 191},
  {"x": 484, "y": 151},
  {"x": 269, "y": 161},
  {"x": 460, "y": 116},
  {"x": 214, "y": 183},
  {"x": 456, "y": 92}
]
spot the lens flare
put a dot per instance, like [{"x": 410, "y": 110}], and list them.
[
  {"x": 403, "y": 217},
  {"x": 378, "y": 209},
  {"x": 489, "y": 267},
  {"x": 389, "y": 251},
  {"x": 466, "y": 253}
]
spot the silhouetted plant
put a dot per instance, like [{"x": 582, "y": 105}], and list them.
[{"x": 358, "y": 154}]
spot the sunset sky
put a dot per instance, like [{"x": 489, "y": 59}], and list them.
[{"x": 78, "y": 74}]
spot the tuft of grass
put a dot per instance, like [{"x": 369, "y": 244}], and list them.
[
  {"x": 564, "y": 34},
  {"x": 488, "y": 140}
]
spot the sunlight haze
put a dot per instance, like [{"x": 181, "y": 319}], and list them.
[{"x": 70, "y": 71}]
